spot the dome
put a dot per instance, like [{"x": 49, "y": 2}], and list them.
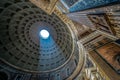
[{"x": 23, "y": 39}]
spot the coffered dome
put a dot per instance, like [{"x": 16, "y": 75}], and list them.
[{"x": 20, "y": 40}]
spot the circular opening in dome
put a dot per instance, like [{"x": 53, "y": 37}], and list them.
[{"x": 44, "y": 34}]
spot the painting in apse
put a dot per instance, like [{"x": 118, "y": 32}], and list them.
[
  {"x": 111, "y": 54},
  {"x": 101, "y": 22}
]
